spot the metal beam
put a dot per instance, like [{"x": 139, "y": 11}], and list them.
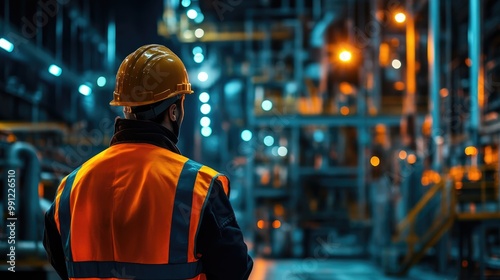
[{"x": 334, "y": 120}]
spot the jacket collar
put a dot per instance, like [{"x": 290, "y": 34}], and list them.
[{"x": 138, "y": 131}]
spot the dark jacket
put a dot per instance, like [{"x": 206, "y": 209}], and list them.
[{"x": 220, "y": 240}]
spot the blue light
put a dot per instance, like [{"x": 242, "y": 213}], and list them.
[
  {"x": 204, "y": 97},
  {"x": 246, "y": 135},
  {"x": 318, "y": 136},
  {"x": 203, "y": 76},
  {"x": 199, "y": 18},
  {"x": 84, "y": 89},
  {"x": 6, "y": 45},
  {"x": 206, "y": 131},
  {"x": 197, "y": 50},
  {"x": 199, "y": 57},
  {"x": 267, "y": 105},
  {"x": 186, "y": 3},
  {"x": 205, "y": 121},
  {"x": 205, "y": 109},
  {"x": 101, "y": 81},
  {"x": 268, "y": 140},
  {"x": 55, "y": 70}
]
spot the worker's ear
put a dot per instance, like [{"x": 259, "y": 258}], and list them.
[{"x": 173, "y": 112}]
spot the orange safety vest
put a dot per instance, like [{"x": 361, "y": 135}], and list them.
[{"x": 133, "y": 212}]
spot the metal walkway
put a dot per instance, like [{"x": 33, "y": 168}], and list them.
[{"x": 332, "y": 269}]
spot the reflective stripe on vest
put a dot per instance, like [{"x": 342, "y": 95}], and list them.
[
  {"x": 179, "y": 266},
  {"x": 182, "y": 212}
]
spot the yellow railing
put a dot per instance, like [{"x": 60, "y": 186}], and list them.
[
  {"x": 418, "y": 244},
  {"x": 462, "y": 185}
]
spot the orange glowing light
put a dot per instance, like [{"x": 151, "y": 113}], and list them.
[
  {"x": 345, "y": 55},
  {"x": 412, "y": 158},
  {"x": 374, "y": 161},
  {"x": 474, "y": 174},
  {"x": 11, "y": 138},
  {"x": 399, "y": 85},
  {"x": 443, "y": 92},
  {"x": 344, "y": 110},
  {"x": 276, "y": 224},
  {"x": 471, "y": 151},
  {"x": 402, "y": 154},
  {"x": 468, "y": 62},
  {"x": 260, "y": 224},
  {"x": 400, "y": 17},
  {"x": 279, "y": 210},
  {"x": 425, "y": 180},
  {"x": 346, "y": 88},
  {"x": 458, "y": 185}
]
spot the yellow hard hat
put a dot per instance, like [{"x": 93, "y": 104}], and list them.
[{"x": 150, "y": 74}]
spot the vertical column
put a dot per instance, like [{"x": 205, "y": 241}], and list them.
[
  {"x": 111, "y": 40},
  {"x": 475, "y": 56},
  {"x": 377, "y": 71},
  {"x": 434, "y": 60},
  {"x": 409, "y": 102},
  {"x": 363, "y": 144}
]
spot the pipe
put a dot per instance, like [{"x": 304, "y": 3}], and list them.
[
  {"x": 434, "y": 56},
  {"x": 26, "y": 250},
  {"x": 474, "y": 55},
  {"x": 23, "y": 157}
]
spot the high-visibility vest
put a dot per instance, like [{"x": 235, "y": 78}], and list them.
[{"x": 133, "y": 212}]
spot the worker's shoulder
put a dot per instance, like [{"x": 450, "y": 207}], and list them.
[{"x": 205, "y": 169}]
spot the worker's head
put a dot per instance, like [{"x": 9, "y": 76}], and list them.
[{"x": 151, "y": 84}]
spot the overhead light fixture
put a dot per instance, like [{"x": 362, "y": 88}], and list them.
[
  {"x": 267, "y": 105},
  {"x": 198, "y": 58},
  {"x": 268, "y": 140},
  {"x": 188, "y": 34},
  {"x": 84, "y": 89},
  {"x": 192, "y": 13},
  {"x": 345, "y": 56},
  {"x": 246, "y": 135},
  {"x": 205, "y": 109},
  {"x": 205, "y": 121},
  {"x": 55, "y": 70},
  {"x": 197, "y": 50},
  {"x": 199, "y": 33},
  {"x": 199, "y": 18},
  {"x": 101, "y": 81},
  {"x": 6, "y": 45},
  {"x": 400, "y": 17},
  {"x": 396, "y": 63},
  {"x": 206, "y": 131},
  {"x": 204, "y": 97},
  {"x": 203, "y": 76},
  {"x": 282, "y": 151}
]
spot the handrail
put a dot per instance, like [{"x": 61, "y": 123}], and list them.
[{"x": 409, "y": 220}]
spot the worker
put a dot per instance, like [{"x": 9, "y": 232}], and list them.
[{"x": 140, "y": 209}]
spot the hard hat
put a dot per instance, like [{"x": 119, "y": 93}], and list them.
[{"x": 150, "y": 74}]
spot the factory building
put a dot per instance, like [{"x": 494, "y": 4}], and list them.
[{"x": 360, "y": 137}]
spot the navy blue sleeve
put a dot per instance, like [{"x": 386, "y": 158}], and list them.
[
  {"x": 53, "y": 245},
  {"x": 220, "y": 240}
]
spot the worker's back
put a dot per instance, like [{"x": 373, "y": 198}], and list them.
[{"x": 135, "y": 212}]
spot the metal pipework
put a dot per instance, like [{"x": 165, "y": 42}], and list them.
[
  {"x": 474, "y": 55},
  {"x": 435, "y": 78},
  {"x": 22, "y": 157}
]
